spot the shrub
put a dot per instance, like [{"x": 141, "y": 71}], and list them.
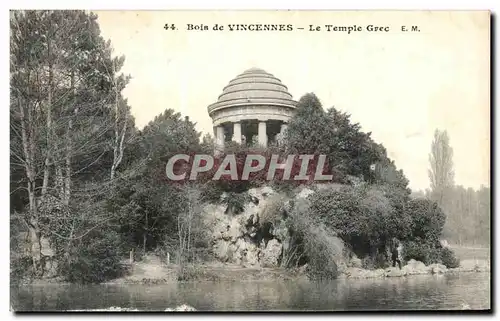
[
  {"x": 21, "y": 269},
  {"x": 416, "y": 251},
  {"x": 94, "y": 260},
  {"x": 272, "y": 212},
  {"x": 194, "y": 273},
  {"x": 427, "y": 219},
  {"x": 433, "y": 255},
  {"x": 449, "y": 259},
  {"x": 235, "y": 202},
  {"x": 362, "y": 216},
  {"x": 314, "y": 242},
  {"x": 429, "y": 253},
  {"x": 378, "y": 261}
]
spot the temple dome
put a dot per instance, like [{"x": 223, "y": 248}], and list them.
[{"x": 253, "y": 87}]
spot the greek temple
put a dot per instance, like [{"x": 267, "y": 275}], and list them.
[{"x": 253, "y": 109}]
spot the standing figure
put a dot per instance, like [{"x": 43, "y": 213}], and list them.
[{"x": 396, "y": 255}]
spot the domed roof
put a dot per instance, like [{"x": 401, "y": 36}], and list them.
[{"x": 253, "y": 87}]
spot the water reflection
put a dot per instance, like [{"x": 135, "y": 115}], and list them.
[{"x": 417, "y": 292}]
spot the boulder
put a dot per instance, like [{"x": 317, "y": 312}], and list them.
[
  {"x": 271, "y": 254},
  {"x": 266, "y": 191},
  {"x": 358, "y": 273},
  {"x": 251, "y": 257},
  {"x": 414, "y": 267},
  {"x": 221, "y": 249},
  {"x": 304, "y": 193},
  {"x": 444, "y": 243},
  {"x": 235, "y": 231},
  {"x": 234, "y": 255},
  {"x": 353, "y": 272},
  {"x": 394, "y": 272},
  {"x": 437, "y": 268},
  {"x": 258, "y": 194},
  {"x": 355, "y": 262},
  {"x": 379, "y": 273}
]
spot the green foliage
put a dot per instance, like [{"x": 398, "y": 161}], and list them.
[
  {"x": 468, "y": 215},
  {"x": 312, "y": 242},
  {"x": 273, "y": 211},
  {"x": 349, "y": 150},
  {"x": 321, "y": 264},
  {"x": 309, "y": 132},
  {"x": 235, "y": 202},
  {"x": 415, "y": 250},
  {"x": 427, "y": 220},
  {"x": 21, "y": 269},
  {"x": 449, "y": 259},
  {"x": 94, "y": 260},
  {"x": 378, "y": 261},
  {"x": 362, "y": 216},
  {"x": 429, "y": 253}
]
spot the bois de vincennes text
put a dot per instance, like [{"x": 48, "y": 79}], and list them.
[{"x": 349, "y": 29}]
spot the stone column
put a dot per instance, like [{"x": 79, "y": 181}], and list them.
[
  {"x": 263, "y": 133},
  {"x": 237, "y": 133},
  {"x": 219, "y": 138},
  {"x": 284, "y": 126}
]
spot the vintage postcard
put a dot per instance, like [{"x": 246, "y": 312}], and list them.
[{"x": 250, "y": 160}]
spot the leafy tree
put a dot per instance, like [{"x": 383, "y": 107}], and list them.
[
  {"x": 69, "y": 124},
  {"x": 427, "y": 220},
  {"x": 309, "y": 131},
  {"x": 349, "y": 150},
  {"x": 148, "y": 203},
  {"x": 441, "y": 172},
  {"x": 362, "y": 216}
]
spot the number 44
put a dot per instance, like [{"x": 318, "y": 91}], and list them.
[{"x": 169, "y": 27}]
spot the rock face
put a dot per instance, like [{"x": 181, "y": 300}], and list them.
[
  {"x": 259, "y": 235},
  {"x": 271, "y": 254},
  {"x": 394, "y": 272},
  {"x": 248, "y": 239},
  {"x": 415, "y": 268},
  {"x": 437, "y": 269},
  {"x": 355, "y": 262}
]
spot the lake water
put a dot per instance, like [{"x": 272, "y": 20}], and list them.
[{"x": 410, "y": 293}]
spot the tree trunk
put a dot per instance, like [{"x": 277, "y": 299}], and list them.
[
  {"x": 46, "y": 170},
  {"x": 119, "y": 137},
  {"x": 27, "y": 136},
  {"x": 144, "y": 236},
  {"x": 69, "y": 145}
]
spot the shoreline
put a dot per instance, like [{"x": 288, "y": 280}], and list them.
[{"x": 148, "y": 273}]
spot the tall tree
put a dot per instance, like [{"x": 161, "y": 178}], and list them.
[
  {"x": 69, "y": 123},
  {"x": 441, "y": 173}
]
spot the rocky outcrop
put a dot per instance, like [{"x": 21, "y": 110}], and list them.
[
  {"x": 354, "y": 261},
  {"x": 358, "y": 273},
  {"x": 271, "y": 254},
  {"x": 437, "y": 268},
  {"x": 415, "y": 268},
  {"x": 394, "y": 272},
  {"x": 248, "y": 239}
]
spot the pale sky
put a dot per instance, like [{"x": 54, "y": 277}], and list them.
[{"x": 400, "y": 86}]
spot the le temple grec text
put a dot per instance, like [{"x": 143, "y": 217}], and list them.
[{"x": 290, "y": 27}]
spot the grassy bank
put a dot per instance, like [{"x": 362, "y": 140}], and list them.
[{"x": 151, "y": 270}]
